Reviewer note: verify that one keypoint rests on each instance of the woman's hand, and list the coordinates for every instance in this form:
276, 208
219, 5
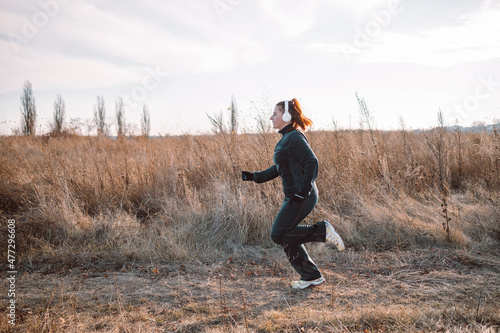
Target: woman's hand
245, 175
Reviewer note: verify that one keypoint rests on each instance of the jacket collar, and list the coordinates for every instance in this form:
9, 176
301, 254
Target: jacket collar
286, 129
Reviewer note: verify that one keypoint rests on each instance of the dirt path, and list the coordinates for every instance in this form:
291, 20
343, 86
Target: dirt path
424, 290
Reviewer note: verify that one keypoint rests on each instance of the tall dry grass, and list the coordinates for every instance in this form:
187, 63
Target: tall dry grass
95, 198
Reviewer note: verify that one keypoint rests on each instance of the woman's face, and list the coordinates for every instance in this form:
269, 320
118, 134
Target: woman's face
278, 122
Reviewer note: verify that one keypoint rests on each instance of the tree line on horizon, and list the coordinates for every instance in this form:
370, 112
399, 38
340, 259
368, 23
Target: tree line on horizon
57, 125
98, 122
58, 128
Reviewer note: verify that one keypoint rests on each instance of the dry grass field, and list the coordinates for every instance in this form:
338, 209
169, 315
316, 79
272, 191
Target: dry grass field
160, 235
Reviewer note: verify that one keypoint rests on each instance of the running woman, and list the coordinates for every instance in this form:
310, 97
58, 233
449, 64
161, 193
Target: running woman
296, 164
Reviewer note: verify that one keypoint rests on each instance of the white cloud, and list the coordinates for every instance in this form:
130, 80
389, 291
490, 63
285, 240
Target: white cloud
90, 47
473, 38
360, 9
53, 70
101, 47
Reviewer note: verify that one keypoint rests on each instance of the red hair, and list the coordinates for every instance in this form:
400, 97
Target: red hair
298, 118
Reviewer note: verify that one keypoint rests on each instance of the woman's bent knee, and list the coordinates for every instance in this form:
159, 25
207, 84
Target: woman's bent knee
277, 237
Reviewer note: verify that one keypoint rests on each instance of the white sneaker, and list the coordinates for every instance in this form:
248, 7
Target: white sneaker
301, 284
333, 237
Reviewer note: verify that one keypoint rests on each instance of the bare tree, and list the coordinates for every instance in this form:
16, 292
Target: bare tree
100, 116
28, 110
76, 125
478, 123
59, 115
145, 121
234, 116
120, 117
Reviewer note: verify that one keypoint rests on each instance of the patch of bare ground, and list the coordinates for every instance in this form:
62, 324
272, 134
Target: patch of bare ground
424, 290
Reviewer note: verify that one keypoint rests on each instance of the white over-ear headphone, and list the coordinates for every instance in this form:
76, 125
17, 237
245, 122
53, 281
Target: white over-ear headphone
286, 116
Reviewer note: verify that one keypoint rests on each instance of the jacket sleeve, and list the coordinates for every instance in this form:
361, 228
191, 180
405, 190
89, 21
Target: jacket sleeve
266, 175
308, 160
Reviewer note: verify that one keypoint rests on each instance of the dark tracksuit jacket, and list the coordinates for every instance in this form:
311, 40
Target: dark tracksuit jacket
296, 164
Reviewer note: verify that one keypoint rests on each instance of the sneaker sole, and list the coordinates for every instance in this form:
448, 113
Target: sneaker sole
311, 283
335, 238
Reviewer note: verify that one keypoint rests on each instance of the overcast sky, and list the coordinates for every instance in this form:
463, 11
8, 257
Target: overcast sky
184, 59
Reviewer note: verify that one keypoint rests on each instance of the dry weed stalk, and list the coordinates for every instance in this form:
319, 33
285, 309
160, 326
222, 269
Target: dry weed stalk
480, 296
46, 318
496, 138
291, 313
230, 140
245, 311
459, 138
447, 219
75, 314
367, 118
437, 144
120, 306
223, 305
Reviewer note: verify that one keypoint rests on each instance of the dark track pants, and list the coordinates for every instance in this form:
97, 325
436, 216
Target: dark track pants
287, 232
